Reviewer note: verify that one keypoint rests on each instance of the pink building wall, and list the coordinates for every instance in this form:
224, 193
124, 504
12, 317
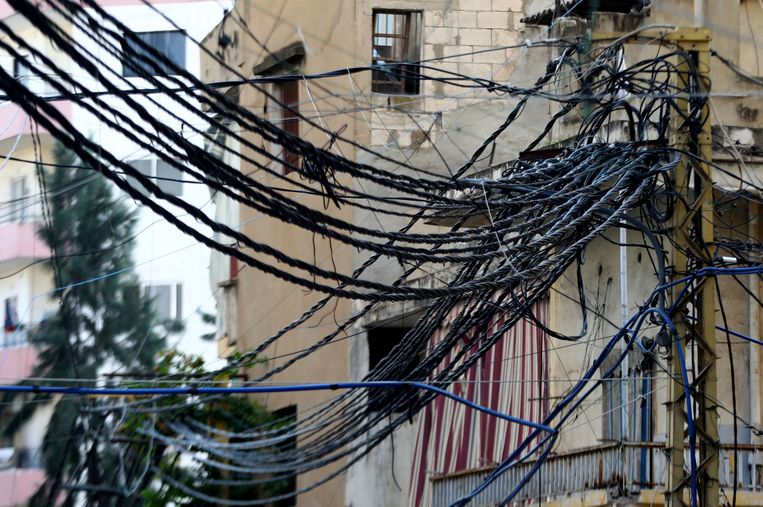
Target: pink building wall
20, 241
17, 121
6, 10
16, 363
17, 485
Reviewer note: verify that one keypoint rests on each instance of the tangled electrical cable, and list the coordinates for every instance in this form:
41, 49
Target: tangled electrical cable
536, 221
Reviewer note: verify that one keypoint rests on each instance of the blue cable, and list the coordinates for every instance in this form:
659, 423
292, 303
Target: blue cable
735, 333
508, 462
739, 335
512, 460
690, 421
150, 391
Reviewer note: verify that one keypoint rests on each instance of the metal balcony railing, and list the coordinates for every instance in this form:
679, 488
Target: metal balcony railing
619, 469
14, 338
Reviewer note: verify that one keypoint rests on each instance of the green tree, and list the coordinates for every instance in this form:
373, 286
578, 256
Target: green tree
166, 469
103, 320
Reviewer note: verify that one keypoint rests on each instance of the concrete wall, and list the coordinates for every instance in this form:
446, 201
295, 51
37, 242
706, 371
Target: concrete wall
601, 270
738, 116
265, 303
21, 275
162, 254
437, 131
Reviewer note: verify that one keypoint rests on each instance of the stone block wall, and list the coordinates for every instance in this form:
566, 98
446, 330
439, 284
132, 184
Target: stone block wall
460, 37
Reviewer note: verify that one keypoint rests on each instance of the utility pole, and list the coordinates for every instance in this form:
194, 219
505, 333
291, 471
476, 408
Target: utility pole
692, 232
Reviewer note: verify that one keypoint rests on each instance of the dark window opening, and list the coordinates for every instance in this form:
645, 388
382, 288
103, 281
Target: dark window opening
12, 327
171, 44
381, 342
287, 93
395, 42
612, 409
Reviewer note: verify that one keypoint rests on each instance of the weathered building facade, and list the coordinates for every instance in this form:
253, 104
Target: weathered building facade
613, 450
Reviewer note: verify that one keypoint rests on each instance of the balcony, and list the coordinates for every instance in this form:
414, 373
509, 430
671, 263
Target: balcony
15, 127
16, 359
633, 473
21, 474
19, 245
17, 485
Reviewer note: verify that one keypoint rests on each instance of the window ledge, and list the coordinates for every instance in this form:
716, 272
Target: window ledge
230, 282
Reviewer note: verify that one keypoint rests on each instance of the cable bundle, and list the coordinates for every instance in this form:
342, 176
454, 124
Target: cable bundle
535, 222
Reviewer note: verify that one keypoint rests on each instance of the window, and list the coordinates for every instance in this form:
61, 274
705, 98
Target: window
171, 44
287, 118
144, 167
11, 322
168, 300
381, 341
395, 40
612, 409
19, 193
167, 177
22, 72
31, 77
14, 331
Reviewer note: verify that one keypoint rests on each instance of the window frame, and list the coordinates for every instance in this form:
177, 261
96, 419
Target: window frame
175, 302
157, 69
18, 208
18, 65
33, 79
408, 48
286, 116
153, 174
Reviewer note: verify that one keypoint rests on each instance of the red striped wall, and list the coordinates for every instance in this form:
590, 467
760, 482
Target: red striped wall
511, 378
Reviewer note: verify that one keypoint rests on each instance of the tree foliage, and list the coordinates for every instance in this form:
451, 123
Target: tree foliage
181, 483
103, 320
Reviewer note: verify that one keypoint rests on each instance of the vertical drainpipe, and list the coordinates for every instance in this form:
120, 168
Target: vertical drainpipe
625, 367
699, 13
646, 416
754, 331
